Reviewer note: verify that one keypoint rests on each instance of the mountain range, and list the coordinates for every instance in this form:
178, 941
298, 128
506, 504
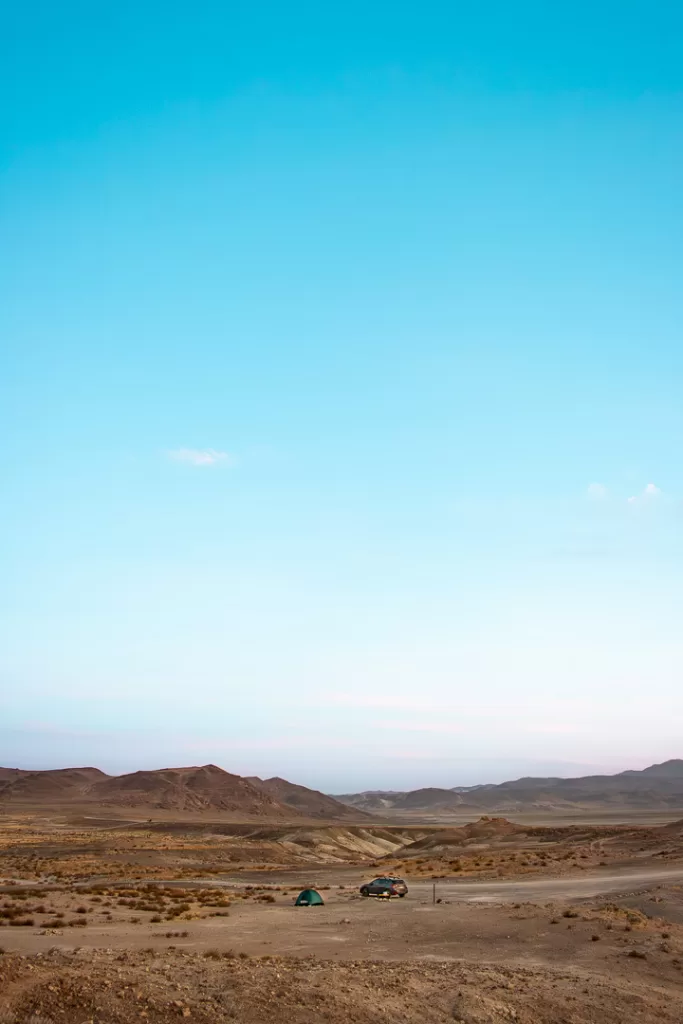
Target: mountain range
197, 789
209, 789
659, 787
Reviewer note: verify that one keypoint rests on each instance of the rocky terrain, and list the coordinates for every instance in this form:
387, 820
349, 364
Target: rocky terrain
113, 921
160, 986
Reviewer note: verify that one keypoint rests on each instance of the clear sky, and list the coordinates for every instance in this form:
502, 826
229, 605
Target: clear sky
342, 387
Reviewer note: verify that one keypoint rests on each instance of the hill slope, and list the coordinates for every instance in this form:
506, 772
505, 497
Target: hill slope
310, 802
187, 789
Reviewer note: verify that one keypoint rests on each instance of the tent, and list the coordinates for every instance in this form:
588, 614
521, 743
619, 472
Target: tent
309, 898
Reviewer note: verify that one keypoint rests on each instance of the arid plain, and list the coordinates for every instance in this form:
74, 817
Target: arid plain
165, 895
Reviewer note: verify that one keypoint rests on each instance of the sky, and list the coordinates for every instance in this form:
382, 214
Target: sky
341, 388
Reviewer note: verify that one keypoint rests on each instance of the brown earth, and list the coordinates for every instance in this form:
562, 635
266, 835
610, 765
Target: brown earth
497, 848
161, 986
92, 932
79, 849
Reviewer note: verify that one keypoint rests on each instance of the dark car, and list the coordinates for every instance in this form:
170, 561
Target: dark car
387, 886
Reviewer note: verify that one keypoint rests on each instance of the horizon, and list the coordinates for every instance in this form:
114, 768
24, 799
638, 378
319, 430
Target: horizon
341, 388
573, 772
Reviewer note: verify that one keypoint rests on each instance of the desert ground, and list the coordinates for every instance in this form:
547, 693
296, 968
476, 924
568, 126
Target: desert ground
116, 919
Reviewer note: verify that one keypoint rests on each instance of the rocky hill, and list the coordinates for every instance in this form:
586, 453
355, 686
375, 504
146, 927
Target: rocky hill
208, 788
187, 790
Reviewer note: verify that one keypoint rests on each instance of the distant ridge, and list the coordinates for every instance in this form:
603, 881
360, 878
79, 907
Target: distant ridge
208, 788
659, 787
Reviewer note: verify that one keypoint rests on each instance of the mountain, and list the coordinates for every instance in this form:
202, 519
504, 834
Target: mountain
187, 790
667, 770
428, 799
58, 783
659, 787
310, 802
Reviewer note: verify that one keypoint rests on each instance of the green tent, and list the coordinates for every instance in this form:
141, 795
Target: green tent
309, 898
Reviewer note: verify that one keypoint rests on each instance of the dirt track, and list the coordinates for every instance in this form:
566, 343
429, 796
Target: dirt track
557, 889
548, 888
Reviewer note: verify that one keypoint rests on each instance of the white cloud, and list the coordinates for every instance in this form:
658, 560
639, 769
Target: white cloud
650, 491
598, 492
202, 456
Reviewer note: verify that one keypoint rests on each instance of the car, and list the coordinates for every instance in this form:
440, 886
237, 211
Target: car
387, 886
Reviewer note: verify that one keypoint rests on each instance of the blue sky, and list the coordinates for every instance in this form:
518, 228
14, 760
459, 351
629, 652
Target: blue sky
341, 388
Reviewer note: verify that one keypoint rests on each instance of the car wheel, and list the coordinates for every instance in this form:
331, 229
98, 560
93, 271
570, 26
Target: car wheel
401, 894
364, 891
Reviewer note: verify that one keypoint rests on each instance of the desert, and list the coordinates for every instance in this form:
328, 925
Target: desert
171, 894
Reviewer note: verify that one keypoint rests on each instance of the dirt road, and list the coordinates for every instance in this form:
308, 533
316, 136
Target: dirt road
573, 887
582, 887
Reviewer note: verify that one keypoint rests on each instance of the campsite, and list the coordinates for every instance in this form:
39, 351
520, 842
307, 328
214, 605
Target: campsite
116, 919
